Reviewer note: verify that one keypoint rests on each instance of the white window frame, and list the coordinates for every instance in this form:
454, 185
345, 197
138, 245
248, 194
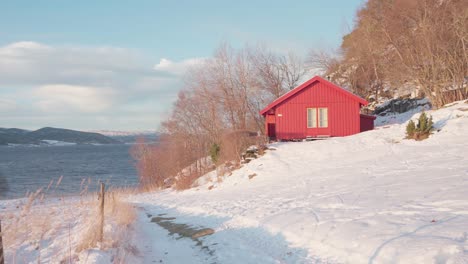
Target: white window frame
320, 119
314, 124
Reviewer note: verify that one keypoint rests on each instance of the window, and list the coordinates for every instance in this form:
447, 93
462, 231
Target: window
311, 117
323, 117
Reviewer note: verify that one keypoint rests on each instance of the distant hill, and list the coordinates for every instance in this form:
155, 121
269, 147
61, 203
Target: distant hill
48, 134
14, 136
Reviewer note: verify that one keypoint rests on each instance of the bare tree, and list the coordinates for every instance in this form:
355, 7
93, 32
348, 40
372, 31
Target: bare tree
396, 42
220, 105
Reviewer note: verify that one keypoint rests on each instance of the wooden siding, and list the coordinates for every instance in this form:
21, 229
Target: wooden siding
367, 122
291, 114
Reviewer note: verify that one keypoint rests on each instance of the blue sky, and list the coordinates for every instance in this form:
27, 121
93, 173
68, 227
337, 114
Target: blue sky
97, 64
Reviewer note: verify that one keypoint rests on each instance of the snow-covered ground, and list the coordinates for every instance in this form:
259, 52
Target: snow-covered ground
374, 197
65, 230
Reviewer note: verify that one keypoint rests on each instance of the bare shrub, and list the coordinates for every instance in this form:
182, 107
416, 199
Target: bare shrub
155, 163
233, 144
222, 170
261, 143
185, 182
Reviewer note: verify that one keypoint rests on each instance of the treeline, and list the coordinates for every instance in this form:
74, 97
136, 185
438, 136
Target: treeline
404, 43
216, 114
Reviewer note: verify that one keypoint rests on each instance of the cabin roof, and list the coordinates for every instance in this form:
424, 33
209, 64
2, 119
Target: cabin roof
303, 86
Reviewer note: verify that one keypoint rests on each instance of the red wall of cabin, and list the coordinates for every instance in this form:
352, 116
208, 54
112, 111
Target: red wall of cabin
291, 115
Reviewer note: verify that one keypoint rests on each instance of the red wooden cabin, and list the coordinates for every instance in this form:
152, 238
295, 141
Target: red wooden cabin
315, 109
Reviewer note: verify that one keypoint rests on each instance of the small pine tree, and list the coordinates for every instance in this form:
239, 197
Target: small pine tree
430, 125
422, 122
422, 129
410, 129
214, 152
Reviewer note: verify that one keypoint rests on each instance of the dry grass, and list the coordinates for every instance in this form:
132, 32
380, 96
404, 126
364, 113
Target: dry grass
117, 213
58, 229
26, 223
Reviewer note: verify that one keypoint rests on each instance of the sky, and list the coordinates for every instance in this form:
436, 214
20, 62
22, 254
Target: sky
118, 65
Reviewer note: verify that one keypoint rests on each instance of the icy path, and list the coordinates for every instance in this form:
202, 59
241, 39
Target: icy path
369, 198
226, 245
156, 246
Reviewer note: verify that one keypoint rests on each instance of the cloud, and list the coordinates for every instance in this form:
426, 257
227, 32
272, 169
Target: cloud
69, 98
31, 63
76, 86
177, 68
20, 48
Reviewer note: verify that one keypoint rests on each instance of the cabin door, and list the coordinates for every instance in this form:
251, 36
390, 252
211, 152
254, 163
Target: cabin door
271, 130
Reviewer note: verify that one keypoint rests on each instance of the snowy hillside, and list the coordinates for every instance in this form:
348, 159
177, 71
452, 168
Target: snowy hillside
115, 133
130, 136
369, 198
374, 197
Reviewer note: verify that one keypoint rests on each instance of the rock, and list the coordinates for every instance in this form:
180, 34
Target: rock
400, 106
203, 232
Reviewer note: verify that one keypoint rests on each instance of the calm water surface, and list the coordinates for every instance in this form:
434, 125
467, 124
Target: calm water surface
25, 168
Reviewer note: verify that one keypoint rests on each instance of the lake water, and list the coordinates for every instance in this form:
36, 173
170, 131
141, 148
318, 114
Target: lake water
24, 169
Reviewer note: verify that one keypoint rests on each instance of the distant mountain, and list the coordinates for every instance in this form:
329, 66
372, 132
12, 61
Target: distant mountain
48, 135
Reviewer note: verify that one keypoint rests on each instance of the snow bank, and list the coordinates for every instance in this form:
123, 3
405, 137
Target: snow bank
57, 143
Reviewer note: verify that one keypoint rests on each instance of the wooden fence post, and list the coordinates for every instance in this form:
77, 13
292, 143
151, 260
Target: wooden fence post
102, 196
2, 256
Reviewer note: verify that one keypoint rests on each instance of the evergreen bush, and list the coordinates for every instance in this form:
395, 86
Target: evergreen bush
420, 131
410, 129
214, 152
